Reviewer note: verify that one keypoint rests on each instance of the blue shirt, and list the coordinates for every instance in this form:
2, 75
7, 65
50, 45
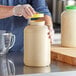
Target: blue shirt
15, 24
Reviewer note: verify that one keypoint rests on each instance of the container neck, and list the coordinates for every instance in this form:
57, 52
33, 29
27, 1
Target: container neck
70, 10
37, 23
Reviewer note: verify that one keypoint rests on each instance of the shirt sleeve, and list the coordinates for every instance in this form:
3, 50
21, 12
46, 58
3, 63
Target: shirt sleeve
41, 6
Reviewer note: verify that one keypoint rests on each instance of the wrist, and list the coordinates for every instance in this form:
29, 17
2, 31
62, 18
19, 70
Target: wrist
17, 10
10, 10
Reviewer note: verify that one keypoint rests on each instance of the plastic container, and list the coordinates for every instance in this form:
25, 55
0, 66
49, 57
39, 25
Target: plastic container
36, 44
68, 27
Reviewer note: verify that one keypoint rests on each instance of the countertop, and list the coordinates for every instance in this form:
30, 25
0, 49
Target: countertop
56, 66
70, 73
53, 69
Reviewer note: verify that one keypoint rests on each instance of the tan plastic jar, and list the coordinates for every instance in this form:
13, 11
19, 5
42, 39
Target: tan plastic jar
36, 44
68, 27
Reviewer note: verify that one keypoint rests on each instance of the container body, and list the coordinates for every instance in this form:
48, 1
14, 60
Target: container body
36, 45
33, 70
68, 28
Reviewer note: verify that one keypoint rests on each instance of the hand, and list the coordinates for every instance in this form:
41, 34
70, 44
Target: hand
23, 10
28, 11
51, 33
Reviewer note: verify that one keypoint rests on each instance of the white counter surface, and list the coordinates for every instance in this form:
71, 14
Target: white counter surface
69, 73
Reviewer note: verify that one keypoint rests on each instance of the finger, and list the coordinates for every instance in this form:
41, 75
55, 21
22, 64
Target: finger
25, 14
48, 33
28, 11
51, 42
50, 39
32, 10
49, 36
49, 27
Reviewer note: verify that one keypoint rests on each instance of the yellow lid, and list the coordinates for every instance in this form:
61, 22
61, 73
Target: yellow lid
37, 15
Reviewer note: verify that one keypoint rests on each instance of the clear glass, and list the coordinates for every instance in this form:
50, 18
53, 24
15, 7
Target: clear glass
7, 67
7, 41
